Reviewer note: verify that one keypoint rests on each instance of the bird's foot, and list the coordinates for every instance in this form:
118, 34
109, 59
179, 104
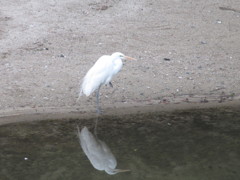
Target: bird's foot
99, 111
110, 84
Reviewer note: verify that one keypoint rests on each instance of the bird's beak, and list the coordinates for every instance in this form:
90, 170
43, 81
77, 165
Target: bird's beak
129, 58
121, 170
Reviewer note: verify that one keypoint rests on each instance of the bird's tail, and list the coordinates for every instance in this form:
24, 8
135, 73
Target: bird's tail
80, 94
81, 90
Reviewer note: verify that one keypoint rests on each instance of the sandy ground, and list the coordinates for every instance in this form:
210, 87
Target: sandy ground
186, 50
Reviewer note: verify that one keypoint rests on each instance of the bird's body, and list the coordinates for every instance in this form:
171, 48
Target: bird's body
101, 73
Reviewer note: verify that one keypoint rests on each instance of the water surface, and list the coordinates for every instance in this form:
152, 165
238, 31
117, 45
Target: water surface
181, 145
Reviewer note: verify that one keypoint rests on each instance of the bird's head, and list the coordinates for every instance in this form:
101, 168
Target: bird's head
115, 171
121, 56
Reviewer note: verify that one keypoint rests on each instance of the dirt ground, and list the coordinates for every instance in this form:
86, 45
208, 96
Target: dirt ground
186, 50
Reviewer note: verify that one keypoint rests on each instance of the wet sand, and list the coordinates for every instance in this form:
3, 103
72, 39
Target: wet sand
28, 115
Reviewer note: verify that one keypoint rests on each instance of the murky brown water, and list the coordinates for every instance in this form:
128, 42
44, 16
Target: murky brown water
194, 144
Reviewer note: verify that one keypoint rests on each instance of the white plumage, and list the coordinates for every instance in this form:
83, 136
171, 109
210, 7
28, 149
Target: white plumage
101, 73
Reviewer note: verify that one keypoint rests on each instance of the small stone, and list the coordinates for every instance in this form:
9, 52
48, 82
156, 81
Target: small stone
166, 59
102, 8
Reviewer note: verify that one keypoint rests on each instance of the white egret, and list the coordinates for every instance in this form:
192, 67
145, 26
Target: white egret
98, 152
101, 73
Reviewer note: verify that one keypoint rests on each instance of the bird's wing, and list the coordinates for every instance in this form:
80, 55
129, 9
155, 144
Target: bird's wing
97, 75
102, 63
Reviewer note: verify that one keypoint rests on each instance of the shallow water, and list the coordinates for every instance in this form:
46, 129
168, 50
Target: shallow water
182, 145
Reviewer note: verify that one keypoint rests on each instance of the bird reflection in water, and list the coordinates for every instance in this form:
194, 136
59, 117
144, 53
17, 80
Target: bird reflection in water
98, 153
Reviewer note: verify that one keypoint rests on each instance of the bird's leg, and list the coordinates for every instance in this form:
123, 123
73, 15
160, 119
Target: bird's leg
95, 127
97, 101
110, 84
